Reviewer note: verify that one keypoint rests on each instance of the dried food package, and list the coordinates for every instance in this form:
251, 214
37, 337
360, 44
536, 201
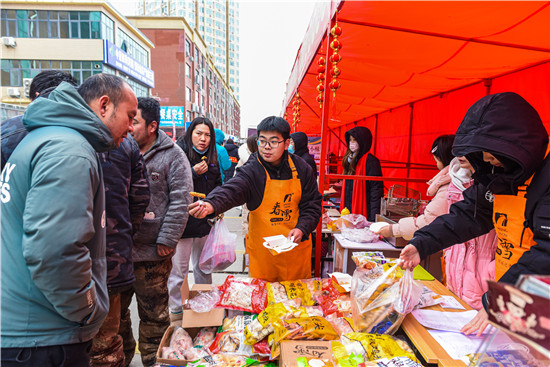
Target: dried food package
342, 325
261, 326
237, 323
372, 346
309, 328
205, 337
244, 294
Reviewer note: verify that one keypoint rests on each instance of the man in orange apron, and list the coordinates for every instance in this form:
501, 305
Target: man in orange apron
280, 189
504, 139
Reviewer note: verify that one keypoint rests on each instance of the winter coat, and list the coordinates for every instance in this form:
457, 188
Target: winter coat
438, 186
223, 157
204, 184
244, 153
249, 183
53, 264
170, 181
233, 152
126, 199
13, 131
510, 127
363, 197
301, 149
468, 264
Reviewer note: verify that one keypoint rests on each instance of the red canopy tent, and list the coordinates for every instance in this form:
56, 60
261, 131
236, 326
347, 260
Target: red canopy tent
410, 69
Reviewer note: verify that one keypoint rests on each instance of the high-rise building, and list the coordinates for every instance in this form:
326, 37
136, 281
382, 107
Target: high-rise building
217, 21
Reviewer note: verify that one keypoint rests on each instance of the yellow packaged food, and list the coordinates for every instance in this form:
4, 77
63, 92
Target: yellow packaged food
261, 327
310, 328
372, 346
302, 289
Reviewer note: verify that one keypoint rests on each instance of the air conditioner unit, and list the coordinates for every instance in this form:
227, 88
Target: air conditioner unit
9, 42
27, 86
14, 92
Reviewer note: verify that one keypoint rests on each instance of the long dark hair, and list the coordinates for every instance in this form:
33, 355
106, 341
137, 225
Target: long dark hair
212, 153
442, 148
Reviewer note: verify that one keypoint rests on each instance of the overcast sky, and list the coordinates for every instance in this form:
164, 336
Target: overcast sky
270, 34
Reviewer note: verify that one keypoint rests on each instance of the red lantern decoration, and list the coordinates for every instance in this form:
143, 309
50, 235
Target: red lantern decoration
336, 31
320, 100
321, 61
334, 86
334, 72
336, 45
335, 58
320, 88
321, 68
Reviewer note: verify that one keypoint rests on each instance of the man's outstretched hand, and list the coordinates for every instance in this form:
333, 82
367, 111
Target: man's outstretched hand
200, 209
409, 257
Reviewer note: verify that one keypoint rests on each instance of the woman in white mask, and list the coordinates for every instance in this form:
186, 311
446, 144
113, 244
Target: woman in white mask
360, 196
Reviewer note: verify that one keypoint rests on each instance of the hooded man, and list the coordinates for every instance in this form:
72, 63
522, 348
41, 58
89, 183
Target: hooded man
298, 146
54, 291
503, 138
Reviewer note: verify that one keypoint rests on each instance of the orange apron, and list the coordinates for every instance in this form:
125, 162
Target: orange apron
513, 238
277, 214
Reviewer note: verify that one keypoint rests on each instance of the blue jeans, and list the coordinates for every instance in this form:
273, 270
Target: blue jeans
68, 355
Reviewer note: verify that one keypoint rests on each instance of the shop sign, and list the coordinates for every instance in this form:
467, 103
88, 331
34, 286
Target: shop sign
114, 56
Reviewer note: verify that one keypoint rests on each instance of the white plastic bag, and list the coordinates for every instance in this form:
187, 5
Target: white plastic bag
219, 250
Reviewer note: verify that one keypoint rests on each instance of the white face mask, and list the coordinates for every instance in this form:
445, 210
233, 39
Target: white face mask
354, 147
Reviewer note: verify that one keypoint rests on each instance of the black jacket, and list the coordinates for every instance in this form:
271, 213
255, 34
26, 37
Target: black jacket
375, 189
301, 149
507, 126
204, 184
247, 187
233, 152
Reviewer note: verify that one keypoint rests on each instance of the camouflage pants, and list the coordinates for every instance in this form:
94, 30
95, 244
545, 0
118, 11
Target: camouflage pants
151, 292
107, 344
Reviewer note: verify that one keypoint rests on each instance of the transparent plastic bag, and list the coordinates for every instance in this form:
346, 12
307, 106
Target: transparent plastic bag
206, 301
219, 250
381, 300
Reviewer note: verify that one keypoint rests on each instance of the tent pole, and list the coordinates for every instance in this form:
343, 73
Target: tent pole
324, 134
410, 144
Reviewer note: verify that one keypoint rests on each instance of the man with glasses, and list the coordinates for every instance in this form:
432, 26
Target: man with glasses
280, 189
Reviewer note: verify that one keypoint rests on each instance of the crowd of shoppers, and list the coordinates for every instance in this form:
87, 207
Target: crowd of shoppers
69, 163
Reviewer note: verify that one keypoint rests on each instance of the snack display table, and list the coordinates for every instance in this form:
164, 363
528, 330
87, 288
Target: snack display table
429, 348
344, 248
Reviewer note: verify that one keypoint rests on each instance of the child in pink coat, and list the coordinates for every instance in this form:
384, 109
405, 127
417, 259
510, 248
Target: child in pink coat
469, 264
441, 151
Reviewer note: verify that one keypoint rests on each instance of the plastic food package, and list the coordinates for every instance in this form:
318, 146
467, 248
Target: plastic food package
205, 301
310, 328
219, 250
371, 346
237, 323
306, 290
205, 337
180, 339
172, 353
380, 300
261, 326
359, 235
244, 294
342, 325
365, 259
338, 304
232, 342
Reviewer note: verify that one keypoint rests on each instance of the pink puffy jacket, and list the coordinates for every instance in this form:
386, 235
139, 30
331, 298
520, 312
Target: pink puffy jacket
437, 206
470, 264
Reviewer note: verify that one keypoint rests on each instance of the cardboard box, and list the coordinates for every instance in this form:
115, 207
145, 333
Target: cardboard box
291, 350
192, 321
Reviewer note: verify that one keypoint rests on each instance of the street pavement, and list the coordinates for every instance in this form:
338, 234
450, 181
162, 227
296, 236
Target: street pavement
234, 223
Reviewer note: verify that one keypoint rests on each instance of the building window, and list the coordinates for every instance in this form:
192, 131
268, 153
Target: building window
133, 48
188, 94
187, 70
50, 24
13, 71
107, 28
187, 48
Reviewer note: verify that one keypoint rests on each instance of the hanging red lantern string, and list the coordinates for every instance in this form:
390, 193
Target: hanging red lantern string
296, 111
335, 58
321, 66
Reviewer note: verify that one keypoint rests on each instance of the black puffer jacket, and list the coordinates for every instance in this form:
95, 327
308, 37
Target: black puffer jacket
375, 189
301, 149
247, 187
507, 126
233, 152
204, 184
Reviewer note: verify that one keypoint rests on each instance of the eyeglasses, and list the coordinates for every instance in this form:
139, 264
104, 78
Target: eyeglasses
272, 143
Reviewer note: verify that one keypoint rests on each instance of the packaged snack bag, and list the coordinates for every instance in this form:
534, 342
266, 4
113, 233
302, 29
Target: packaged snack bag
244, 294
261, 326
371, 346
305, 290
